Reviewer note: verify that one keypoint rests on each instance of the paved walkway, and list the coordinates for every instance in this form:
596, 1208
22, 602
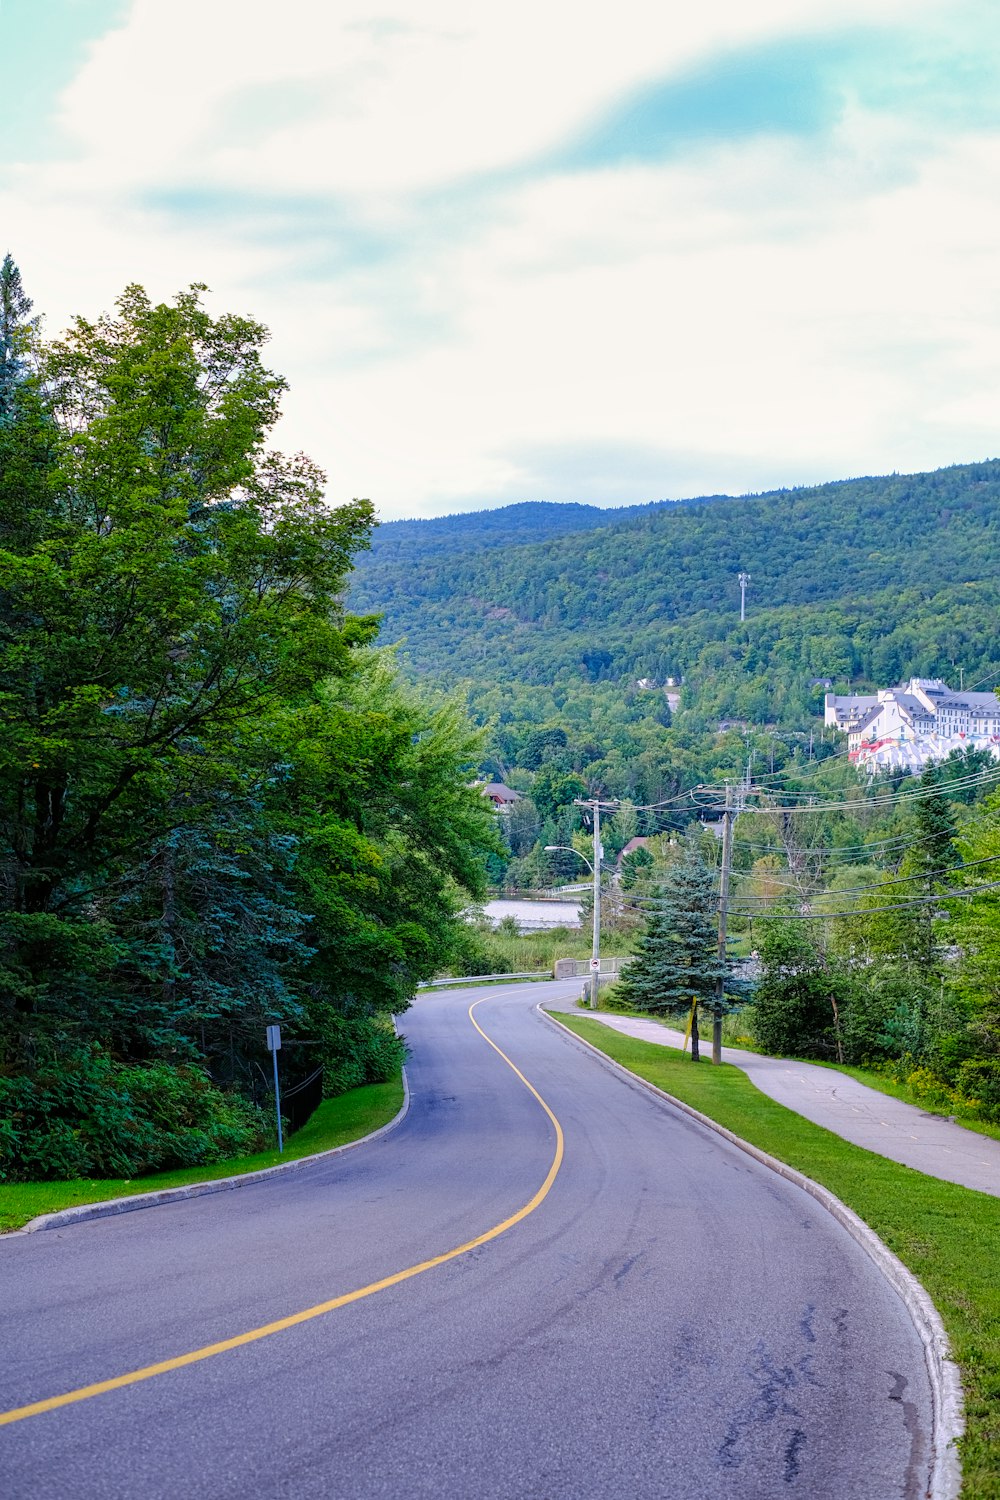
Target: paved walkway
876, 1121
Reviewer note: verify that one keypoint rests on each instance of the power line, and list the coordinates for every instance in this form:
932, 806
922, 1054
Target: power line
866, 911
836, 849
860, 890
894, 799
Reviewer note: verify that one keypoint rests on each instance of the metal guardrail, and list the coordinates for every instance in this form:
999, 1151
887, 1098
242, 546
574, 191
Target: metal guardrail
458, 979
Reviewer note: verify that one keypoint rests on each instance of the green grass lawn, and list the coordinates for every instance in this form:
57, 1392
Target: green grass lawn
334, 1123
948, 1236
882, 1082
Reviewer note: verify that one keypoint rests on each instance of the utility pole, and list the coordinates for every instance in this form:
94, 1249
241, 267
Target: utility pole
744, 580
727, 861
595, 948
595, 952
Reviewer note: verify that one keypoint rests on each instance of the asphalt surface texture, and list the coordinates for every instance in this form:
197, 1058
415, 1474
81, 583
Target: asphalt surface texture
670, 1319
902, 1132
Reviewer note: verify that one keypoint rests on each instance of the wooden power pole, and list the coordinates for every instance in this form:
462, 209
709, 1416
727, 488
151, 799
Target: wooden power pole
727, 864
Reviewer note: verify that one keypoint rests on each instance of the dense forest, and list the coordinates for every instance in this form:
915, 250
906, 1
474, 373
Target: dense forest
219, 807
864, 916
867, 580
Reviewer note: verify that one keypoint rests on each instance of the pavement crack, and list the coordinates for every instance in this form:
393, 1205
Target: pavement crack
626, 1266
793, 1448
775, 1398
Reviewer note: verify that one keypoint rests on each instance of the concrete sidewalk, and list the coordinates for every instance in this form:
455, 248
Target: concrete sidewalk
870, 1119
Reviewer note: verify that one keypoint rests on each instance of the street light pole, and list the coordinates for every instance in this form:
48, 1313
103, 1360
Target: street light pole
595, 960
595, 869
595, 953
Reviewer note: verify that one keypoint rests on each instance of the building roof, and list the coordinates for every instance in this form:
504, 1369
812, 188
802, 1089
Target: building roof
497, 792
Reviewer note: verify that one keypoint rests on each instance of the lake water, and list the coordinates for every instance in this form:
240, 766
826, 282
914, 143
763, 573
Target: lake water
534, 916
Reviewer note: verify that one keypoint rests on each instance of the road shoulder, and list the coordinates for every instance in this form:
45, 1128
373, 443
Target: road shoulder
946, 1388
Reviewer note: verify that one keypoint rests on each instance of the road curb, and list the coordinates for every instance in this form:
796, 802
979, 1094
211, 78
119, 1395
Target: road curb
946, 1388
109, 1207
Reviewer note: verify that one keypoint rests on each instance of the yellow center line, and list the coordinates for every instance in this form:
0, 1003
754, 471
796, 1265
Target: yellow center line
208, 1351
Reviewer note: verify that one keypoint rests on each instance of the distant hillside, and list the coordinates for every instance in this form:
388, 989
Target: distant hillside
479, 530
863, 578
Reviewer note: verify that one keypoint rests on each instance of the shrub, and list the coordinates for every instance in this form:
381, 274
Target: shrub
88, 1116
979, 1080
475, 951
885, 1014
358, 1049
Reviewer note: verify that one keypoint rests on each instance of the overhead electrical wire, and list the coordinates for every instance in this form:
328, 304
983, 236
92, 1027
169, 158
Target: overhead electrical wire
867, 911
776, 915
816, 805
860, 890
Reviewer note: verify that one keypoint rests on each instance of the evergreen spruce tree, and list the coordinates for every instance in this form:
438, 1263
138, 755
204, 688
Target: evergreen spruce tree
933, 854
15, 311
676, 964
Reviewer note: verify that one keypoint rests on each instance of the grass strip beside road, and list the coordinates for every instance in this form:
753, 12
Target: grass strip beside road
336, 1122
948, 1236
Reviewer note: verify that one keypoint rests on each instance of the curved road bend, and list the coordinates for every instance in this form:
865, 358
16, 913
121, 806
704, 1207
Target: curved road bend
902, 1132
672, 1320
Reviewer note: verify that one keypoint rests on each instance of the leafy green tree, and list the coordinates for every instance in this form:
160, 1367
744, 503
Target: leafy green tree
889, 1013
217, 805
523, 826
801, 996
554, 789
676, 967
178, 585
390, 836
974, 925
634, 866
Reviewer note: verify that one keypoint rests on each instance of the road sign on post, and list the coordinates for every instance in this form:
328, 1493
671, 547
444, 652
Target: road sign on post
595, 965
274, 1047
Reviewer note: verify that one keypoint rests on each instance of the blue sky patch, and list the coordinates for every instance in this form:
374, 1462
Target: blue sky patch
42, 54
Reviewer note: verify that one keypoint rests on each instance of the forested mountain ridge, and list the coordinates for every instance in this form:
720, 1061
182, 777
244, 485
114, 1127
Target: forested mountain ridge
860, 578
479, 530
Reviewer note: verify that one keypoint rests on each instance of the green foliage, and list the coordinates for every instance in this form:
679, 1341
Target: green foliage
979, 1080
90, 1116
800, 995
975, 926
476, 950
834, 593
636, 864
554, 789
334, 1123
218, 806
356, 1050
886, 1014
676, 963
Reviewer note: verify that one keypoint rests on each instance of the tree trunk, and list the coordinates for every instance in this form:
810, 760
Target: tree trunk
695, 1055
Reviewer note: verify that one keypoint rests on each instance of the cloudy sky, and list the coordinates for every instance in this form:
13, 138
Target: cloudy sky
542, 250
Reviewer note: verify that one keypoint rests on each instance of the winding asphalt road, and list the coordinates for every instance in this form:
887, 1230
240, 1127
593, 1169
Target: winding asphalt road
666, 1318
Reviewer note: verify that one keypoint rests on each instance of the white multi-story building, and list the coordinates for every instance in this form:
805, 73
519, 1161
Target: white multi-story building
910, 725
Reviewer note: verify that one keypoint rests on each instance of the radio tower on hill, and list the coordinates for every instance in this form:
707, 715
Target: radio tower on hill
744, 580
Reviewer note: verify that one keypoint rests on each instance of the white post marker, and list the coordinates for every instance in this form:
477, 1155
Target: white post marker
274, 1047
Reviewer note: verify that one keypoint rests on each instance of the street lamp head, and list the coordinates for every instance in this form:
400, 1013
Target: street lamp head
568, 849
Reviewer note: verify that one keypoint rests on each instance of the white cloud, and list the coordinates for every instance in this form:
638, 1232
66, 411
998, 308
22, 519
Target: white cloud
761, 311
